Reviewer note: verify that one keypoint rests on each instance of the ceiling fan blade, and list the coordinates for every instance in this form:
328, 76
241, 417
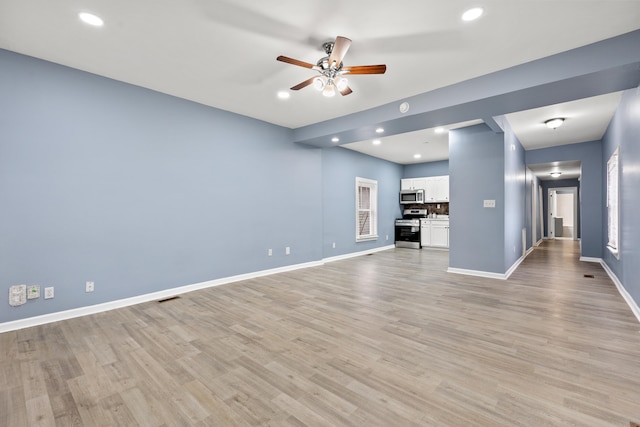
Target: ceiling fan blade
365, 69
295, 62
303, 84
340, 48
346, 91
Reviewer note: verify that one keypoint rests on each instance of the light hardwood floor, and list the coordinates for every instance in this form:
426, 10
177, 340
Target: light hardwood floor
388, 339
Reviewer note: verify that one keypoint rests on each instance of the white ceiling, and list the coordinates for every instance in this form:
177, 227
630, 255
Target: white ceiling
585, 120
571, 169
428, 143
223, 53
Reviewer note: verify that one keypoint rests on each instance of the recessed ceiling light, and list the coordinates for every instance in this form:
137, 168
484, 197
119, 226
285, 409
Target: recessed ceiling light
283, 95
417, 156
554, 123
379, 130
335, 139
376, 142
472, 14
439, 130
555, 174
91, 19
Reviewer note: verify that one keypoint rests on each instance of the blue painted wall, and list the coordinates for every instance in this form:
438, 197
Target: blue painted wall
340, 167
590, 154
531, 199
139, 191
476, 173
420, 170
514, 197
624, 131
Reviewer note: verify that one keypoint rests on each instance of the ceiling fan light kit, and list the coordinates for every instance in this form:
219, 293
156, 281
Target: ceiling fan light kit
332, 69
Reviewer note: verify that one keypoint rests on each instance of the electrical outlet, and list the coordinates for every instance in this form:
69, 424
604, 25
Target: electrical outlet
89, 287
287, 250
489, 203
33, 291
48, 292
269, 252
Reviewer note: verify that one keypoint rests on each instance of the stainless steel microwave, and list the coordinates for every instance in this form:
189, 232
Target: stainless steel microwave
411, 196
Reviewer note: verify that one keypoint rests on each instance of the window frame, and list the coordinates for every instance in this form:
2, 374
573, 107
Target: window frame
373, 209
613, 203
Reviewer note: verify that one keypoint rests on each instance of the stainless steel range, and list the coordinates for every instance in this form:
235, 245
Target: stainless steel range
408, 228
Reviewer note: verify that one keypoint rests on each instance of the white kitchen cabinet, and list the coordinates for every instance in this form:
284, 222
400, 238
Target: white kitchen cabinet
425, 232
413, 184
441, 188
434, 233
440, 233
436, 188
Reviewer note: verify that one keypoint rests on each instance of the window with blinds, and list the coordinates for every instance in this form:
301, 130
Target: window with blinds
613, 203
366, 209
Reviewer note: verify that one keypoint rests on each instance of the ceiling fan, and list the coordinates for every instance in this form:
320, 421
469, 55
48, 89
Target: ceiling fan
331, 69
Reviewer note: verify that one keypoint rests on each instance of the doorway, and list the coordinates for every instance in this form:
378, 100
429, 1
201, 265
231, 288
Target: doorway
563, 213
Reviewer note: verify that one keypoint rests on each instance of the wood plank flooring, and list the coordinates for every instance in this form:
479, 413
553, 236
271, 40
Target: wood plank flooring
388, 339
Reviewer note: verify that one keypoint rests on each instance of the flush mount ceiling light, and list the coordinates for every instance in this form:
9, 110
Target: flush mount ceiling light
379, 130
91, 19
554, 123
439, 130
417, 156
555, 174
472, 14
335, 139
283, 95
376, 142
332, 70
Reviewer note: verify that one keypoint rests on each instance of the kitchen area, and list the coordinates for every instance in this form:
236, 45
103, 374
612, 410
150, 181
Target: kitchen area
425, 213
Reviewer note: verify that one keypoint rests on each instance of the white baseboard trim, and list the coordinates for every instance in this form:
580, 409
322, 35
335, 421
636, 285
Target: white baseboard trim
356, 254
489, 274
623, 292
477, 273
167, 293
591, 259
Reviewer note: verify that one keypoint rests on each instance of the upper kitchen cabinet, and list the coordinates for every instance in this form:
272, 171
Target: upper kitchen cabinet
414, 184
436, 188
440, 188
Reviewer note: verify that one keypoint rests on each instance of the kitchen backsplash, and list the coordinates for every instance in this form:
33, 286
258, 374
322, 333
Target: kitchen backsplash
431, 207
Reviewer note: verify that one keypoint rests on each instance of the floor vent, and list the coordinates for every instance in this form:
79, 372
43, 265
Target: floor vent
168, 299
591, 276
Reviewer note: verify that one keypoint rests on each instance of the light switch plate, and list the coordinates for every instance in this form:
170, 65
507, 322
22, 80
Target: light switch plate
33, 291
